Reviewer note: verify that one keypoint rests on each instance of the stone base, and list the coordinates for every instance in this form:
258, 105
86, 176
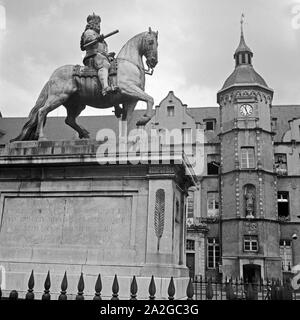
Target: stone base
60, 209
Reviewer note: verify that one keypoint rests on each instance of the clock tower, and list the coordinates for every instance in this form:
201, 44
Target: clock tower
249, 228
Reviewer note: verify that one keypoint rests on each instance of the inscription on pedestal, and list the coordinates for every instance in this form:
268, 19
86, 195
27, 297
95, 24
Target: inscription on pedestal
94, 221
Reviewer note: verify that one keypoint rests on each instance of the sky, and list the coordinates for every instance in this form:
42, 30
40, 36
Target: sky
197, 39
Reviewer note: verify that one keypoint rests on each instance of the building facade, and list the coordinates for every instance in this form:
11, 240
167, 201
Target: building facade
243, 218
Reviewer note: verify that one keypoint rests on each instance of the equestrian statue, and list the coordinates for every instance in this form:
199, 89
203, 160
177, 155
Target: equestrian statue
103, 82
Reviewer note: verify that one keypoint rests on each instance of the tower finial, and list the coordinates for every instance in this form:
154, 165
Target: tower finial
242, 23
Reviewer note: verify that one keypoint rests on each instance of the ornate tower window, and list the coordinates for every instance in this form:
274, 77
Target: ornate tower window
283, 205
250, 200
247, 158
281, 164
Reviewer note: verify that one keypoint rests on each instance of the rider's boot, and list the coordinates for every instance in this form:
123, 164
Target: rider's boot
103, 76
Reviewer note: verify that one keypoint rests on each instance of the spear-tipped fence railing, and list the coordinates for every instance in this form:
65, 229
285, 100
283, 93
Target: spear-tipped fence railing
198, 288
240, 289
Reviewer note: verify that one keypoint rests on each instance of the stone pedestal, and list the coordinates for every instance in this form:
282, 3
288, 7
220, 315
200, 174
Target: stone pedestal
61, 210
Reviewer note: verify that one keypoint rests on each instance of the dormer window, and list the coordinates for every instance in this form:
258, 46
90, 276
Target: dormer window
170, 111
210, 124
274, 124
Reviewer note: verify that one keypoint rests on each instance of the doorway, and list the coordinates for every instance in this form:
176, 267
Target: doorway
252, 273
190, 263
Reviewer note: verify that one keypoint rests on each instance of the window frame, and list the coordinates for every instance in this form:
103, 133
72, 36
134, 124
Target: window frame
192, 247
247, 158
213, 244
281, 171
250, 240
217, 164
190, 205
285, 200
213, 121
169, 109
213, 212
274, 124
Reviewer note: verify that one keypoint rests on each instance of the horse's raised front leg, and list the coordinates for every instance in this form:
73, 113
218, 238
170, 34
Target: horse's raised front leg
73, 111
139, 94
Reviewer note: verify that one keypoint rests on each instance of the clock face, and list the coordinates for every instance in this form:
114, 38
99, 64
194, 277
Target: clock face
246, 109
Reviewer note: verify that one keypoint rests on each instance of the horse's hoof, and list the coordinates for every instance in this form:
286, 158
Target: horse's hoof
118, 112
143, 121
84, 136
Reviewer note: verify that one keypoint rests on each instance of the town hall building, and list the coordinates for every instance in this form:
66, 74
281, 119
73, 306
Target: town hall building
243, 216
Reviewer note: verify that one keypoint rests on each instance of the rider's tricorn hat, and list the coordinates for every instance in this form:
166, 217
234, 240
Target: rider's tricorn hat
93, 18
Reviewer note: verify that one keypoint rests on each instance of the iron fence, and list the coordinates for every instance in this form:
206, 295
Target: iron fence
238, 289
198, 288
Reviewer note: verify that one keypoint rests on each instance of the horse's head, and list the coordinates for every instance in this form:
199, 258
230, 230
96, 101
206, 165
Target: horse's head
149, 49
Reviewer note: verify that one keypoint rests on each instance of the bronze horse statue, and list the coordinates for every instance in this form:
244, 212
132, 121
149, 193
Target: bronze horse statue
63, 88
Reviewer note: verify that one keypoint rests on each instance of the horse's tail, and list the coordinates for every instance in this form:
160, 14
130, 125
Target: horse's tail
29, 129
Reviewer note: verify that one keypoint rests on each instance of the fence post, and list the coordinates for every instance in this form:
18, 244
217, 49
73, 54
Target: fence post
229, 290
209, 290
46, 295
206, 282
250, 293
273, 290
152, 289
201, 283
98, 288
64, 286
133, 289
288, 291
13, 295
80, 288
190, 290
30, 294
171, 289
242, 287
278, 290
195, 282
236, 288
115, 289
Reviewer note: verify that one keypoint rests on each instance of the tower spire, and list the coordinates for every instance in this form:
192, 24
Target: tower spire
243, 53
243, 73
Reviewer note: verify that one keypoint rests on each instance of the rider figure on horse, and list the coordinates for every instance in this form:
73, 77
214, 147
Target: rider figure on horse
97, 55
